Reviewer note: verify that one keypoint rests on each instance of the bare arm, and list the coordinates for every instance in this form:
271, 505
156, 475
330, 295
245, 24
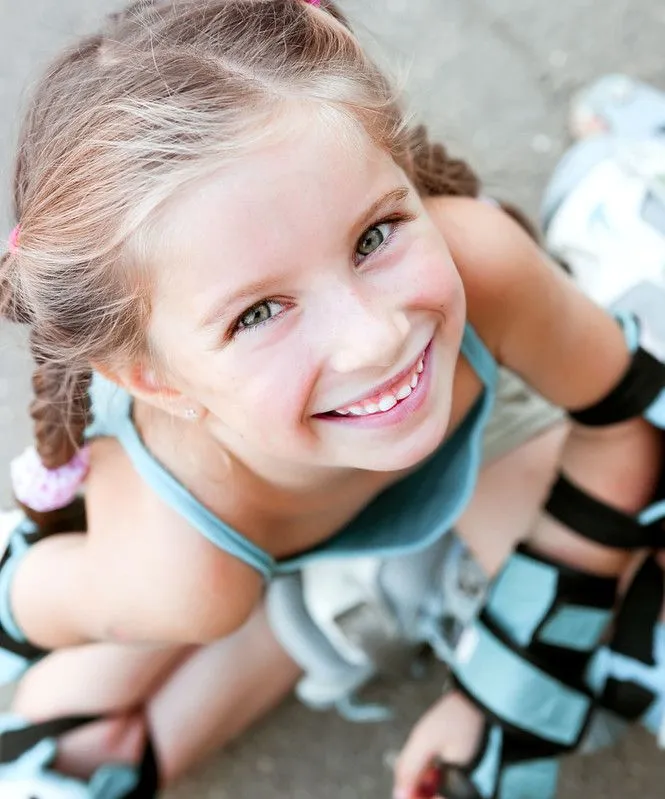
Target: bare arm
572, 352
569, 350
140, 573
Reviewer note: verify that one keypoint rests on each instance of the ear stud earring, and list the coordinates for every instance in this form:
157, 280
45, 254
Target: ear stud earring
191, 414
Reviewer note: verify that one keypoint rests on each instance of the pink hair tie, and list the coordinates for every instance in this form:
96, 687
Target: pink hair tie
43, 489
313, 2
13, 239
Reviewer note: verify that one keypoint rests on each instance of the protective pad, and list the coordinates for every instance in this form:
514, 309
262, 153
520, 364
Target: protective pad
628, 675
503, 769
27, 753
637, 391
596, 521
641, 390
16, 654
536, 633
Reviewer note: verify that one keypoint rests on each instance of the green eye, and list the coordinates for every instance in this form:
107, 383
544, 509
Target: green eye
258, 314
372, 239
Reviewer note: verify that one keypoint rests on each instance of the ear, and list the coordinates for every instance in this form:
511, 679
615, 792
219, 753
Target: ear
144, 383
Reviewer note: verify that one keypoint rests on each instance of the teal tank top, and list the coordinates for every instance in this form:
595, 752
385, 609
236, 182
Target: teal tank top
408, 516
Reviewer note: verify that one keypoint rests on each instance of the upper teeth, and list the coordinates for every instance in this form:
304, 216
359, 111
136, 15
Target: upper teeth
388, 400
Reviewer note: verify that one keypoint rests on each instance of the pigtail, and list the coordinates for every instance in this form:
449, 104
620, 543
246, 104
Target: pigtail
60, 409
434, 172
60, 412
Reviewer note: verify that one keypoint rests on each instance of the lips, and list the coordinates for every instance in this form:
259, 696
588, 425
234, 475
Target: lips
386, 397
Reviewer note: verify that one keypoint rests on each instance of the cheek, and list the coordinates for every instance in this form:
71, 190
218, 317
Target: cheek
434, 281
263, 389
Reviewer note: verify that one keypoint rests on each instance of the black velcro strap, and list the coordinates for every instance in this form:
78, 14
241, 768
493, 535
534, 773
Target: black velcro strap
575, 586
633, 637
20, 648
597, 521
9, 644
15, 743
455, 781
148, 784
637, 389
551, 661
627, 699
639, 614
541, 745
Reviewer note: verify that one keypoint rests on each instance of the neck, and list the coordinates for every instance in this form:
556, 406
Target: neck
197, 457
289, 490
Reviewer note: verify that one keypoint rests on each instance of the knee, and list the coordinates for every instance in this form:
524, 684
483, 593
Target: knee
121, 739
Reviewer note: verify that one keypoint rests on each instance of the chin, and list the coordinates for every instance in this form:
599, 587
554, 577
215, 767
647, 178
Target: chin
408, 453
423, 448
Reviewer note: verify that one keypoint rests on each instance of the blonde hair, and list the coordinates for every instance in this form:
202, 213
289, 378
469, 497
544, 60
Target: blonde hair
164, 94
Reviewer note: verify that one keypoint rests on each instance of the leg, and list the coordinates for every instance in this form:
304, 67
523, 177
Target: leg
509, 495
192, 701
217, 693
99, 679
522, 448
628, 673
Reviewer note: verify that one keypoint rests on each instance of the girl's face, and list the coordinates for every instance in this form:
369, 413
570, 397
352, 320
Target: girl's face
307, 301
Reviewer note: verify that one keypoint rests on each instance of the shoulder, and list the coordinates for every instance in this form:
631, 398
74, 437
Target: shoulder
493, 254
171, 577
531, 315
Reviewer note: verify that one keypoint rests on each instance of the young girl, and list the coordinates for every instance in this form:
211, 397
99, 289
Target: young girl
266, 318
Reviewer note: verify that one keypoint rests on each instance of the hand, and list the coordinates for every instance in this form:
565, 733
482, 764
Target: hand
450, 731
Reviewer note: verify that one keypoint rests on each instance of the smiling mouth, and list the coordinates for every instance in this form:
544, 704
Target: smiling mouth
385, 400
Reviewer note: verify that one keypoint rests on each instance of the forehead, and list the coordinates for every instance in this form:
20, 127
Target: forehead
312, 171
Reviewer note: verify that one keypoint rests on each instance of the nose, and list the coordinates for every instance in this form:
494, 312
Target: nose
368, 335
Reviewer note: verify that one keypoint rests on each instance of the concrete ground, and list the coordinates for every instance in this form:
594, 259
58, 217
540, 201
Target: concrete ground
492, 78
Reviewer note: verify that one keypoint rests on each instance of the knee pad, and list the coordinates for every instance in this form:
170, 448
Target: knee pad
628, 674
17, 535
16, 653
523, 662
27, 753
640, 392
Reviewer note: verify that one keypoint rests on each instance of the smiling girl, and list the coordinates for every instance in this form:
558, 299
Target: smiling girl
267, 319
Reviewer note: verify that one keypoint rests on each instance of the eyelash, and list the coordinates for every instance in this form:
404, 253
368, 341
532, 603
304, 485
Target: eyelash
236, 328
396, 221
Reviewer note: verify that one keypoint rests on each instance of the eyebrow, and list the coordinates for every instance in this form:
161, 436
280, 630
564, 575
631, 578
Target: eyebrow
393, 197
264, 285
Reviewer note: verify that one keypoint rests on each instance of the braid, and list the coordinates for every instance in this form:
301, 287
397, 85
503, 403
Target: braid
60, 409
435, 173
60, 412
